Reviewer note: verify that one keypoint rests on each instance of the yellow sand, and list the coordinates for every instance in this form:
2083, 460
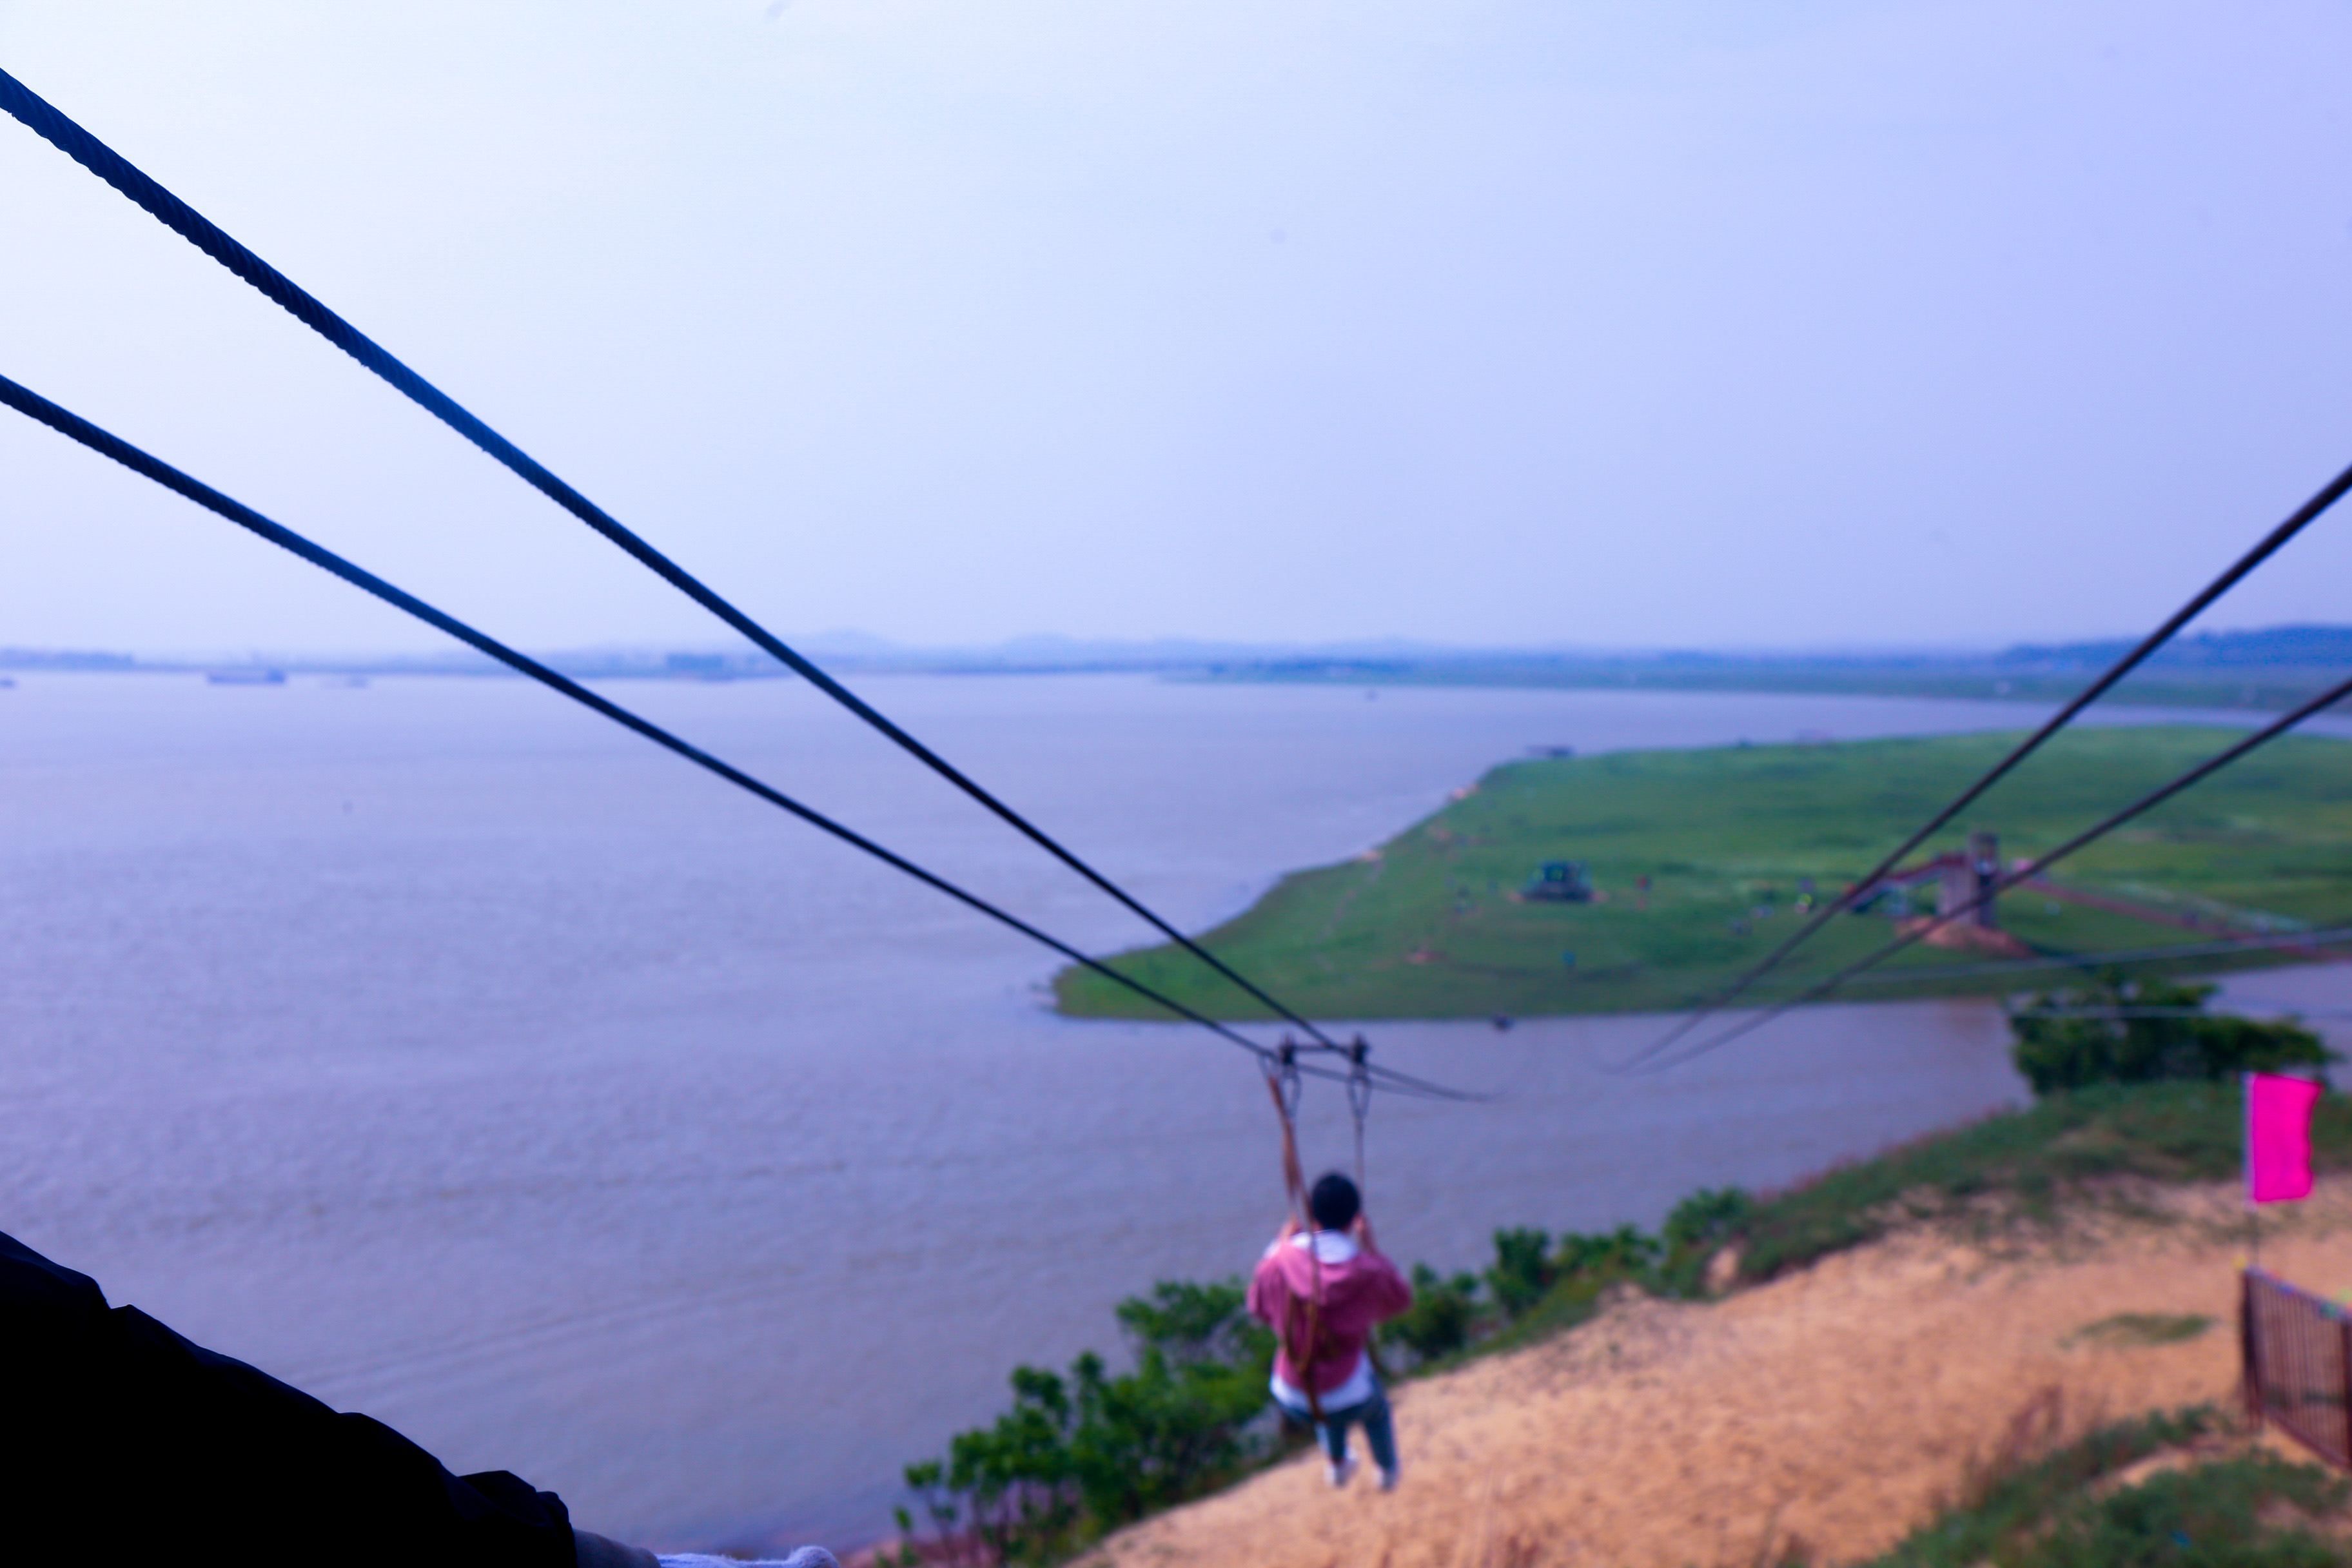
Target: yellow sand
1832, 1409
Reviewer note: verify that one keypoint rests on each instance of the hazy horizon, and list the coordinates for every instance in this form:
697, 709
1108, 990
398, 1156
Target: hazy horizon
849, 644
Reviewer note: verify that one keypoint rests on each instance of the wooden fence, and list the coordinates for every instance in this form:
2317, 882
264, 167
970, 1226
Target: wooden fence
2298, 1365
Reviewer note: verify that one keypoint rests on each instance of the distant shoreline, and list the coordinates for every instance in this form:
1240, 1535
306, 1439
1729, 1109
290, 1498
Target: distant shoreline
2270, 694
2266, 670
1683, 866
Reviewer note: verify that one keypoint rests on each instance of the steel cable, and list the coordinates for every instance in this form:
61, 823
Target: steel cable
2328, 495
54, 126
72, 425
2021, 875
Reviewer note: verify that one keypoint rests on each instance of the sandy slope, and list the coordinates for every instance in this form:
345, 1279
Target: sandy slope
1832, 1407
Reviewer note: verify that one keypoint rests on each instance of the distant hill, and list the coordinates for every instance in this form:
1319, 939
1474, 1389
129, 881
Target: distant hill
2326, 647
62, 659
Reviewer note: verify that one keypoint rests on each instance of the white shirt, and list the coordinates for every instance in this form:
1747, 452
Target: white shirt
1331, 1247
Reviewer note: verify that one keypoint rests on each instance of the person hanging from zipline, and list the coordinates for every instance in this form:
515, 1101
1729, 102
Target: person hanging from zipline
1322, 1290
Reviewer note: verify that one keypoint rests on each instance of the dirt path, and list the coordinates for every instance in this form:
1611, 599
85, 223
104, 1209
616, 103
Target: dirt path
1830, 1409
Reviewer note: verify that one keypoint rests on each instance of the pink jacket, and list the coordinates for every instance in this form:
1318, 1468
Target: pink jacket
1363, 1291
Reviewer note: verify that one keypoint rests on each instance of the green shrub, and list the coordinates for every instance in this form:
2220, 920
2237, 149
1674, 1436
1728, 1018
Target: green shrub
1439, 1321
1607, 1256
1708, 1218
2137, 1031
1528, 1270
1699, 1227
1194, 1324
1522, 1270
1015, 1477
1081, 1455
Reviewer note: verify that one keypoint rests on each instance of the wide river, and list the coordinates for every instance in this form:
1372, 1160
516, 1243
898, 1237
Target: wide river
465, 1060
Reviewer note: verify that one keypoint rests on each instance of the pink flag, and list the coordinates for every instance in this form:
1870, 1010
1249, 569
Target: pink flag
2278, 1137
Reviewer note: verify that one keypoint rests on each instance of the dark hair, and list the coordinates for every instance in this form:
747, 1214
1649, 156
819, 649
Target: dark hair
1334, 1203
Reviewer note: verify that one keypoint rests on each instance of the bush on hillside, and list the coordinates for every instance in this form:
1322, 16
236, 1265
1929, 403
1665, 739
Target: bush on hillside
1533, 1288
1195, 1325
1611, 1254
1697, 1228
1522, 1270
2139, 1031
1081, 1455
1444, 1313
1708, 1218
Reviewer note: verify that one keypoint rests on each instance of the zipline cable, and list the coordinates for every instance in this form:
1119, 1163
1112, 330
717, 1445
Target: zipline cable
66, 423
2328, 495
54, 126
2004, 883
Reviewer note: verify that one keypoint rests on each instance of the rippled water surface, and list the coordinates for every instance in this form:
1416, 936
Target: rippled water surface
467, 1061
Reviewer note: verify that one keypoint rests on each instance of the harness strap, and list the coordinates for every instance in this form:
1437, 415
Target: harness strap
1302, 1323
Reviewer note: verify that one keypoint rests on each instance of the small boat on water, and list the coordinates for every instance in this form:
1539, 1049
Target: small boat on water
245, 677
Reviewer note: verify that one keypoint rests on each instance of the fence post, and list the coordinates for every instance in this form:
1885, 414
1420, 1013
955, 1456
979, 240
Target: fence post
2344, 1385
2250, 1373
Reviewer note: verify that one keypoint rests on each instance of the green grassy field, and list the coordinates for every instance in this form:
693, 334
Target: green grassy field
1429, 926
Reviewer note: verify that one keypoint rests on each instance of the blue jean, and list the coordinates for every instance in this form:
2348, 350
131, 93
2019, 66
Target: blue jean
1372, 1414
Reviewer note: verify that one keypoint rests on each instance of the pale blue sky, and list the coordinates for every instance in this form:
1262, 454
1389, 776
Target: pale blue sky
1626, 323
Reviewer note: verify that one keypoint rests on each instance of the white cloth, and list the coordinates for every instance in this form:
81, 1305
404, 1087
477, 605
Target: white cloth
1331, 1247
1355, 1390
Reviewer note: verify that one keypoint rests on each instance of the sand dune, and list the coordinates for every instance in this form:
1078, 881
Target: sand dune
1831, 1409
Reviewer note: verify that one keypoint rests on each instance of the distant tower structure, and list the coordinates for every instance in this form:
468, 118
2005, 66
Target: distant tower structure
1984, 857
1966, 877
1954, 884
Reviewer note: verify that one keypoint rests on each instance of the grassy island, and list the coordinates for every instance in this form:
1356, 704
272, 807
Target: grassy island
1700, 860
